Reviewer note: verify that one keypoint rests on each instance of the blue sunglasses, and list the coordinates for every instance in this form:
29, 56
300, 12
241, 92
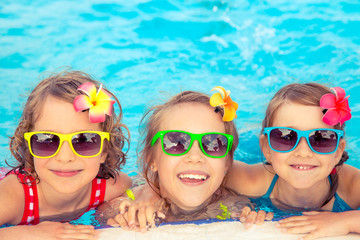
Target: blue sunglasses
321, 140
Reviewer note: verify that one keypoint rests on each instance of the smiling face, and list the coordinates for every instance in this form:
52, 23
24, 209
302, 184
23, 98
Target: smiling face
65, 172
191, 179
301, 168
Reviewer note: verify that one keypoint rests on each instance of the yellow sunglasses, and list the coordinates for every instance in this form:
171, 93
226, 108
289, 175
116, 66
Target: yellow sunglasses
84, 144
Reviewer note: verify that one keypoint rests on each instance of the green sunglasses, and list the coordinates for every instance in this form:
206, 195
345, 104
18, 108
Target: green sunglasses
177, 143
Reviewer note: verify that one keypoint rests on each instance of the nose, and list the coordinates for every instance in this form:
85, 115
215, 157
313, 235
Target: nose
303, 149
65, 153
195, 153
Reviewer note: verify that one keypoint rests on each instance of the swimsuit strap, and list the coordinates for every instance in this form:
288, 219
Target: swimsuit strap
31, 208
269, 191
98, 190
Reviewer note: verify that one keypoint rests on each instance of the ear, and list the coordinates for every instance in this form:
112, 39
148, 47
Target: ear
339, 152
265, 148
103, 157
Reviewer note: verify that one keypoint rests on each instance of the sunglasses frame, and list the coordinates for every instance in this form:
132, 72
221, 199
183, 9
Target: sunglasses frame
193, 137
67, 137
305, 134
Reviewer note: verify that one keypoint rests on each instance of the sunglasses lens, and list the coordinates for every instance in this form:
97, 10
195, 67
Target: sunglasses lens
323, 141
176, 142
44, 144
215, 144
86, 144
282, 139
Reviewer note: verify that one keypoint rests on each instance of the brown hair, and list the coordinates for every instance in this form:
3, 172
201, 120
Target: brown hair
153, 118
308, 94
64, 86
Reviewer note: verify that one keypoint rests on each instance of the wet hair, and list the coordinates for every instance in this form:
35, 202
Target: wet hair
151, 123
308, 94
64, 86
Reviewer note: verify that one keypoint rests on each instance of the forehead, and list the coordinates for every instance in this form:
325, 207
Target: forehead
192, 117
299, 116
58, 115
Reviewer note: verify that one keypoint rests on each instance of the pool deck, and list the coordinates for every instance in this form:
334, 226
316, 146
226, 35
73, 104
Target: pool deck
219, 230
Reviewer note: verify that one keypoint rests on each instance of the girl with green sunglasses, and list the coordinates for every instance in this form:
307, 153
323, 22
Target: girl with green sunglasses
187, 152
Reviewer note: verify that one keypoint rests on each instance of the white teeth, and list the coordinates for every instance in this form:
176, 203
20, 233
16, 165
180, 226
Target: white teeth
302, 167
192, 176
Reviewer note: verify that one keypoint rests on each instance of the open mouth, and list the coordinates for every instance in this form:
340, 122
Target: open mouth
193, 178
303, 167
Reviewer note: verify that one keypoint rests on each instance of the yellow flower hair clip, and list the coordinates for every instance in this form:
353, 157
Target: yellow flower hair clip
98, 102
224, 101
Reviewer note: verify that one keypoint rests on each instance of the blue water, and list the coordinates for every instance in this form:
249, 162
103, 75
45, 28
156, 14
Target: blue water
145, 50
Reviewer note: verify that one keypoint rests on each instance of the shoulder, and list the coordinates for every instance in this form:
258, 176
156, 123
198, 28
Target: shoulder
249, 179
117, 188
12, 200
349, 185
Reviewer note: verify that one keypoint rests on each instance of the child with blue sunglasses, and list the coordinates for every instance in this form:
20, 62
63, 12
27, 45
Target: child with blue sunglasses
304, 147
68, 148
188, 147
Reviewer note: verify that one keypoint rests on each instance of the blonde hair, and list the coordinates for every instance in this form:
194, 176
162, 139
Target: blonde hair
308, 94
64, 86
153, 118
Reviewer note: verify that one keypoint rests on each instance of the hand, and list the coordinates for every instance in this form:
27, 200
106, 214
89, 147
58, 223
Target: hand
249, 217
63, 231
137, 216
315, 225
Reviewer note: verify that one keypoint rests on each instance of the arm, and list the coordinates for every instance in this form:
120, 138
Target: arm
11, 212
250, 180
322, 224
117, 188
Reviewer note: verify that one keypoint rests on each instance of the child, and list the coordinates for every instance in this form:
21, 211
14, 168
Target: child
68, 145
188, 149
303, 143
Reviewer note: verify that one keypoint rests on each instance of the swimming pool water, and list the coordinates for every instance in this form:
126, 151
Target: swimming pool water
146, 50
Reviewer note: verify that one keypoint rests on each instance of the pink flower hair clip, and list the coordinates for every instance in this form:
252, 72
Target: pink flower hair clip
98, 102
224, 101
337, 106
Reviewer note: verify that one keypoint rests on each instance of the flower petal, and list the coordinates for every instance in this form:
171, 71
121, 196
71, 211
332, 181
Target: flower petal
89, 89
339, 93
106, 106
96, 114
216, 100
81, 103
344, 116
102, 95
229, 114
222, 91
231, 103
331, 117
328, 101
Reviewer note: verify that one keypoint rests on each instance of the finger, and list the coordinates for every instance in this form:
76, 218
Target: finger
311, 236
269, 216
244, 213
292, 219
260, 218
149, 212
300, 229
142, 219
292, 224
112, 222
122, 221
250, 220
124, 204
132, 210
79, 236
310, 213
71, 226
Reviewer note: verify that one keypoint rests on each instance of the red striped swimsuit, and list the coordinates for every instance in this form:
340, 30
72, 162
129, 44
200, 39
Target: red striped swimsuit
31, 211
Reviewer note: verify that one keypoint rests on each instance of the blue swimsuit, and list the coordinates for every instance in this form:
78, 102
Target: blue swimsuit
264, 203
